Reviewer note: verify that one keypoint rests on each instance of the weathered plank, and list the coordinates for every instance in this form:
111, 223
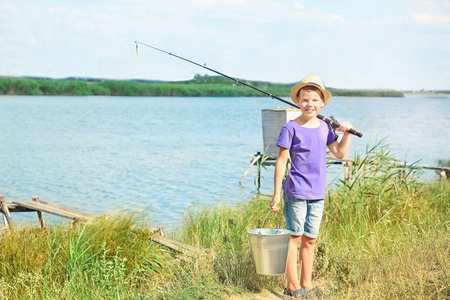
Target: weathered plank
17, 208
175, 245
53, 209
158, 237
157, 230
5, 211
70, 210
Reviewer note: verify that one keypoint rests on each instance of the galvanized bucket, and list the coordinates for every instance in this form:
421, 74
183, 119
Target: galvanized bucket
270, 248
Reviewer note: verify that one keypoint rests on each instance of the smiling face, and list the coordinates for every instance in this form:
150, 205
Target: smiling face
311, 101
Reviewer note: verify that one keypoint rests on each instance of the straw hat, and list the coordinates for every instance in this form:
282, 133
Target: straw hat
314, 81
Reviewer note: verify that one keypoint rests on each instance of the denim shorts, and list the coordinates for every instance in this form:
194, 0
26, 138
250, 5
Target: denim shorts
303, 217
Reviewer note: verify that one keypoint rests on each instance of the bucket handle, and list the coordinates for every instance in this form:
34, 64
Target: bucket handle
279, 219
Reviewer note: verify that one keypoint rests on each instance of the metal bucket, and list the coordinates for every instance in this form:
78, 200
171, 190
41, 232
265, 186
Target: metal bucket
270, 248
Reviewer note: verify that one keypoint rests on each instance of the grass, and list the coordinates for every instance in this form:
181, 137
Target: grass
99, 261
384, 235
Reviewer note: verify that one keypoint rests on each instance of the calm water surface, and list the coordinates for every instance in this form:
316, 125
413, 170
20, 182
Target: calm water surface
158, 155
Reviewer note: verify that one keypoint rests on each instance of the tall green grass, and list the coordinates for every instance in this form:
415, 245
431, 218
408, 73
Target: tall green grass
384, 235
104, 260
223, 231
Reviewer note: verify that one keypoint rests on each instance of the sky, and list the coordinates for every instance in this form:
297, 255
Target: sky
395, 44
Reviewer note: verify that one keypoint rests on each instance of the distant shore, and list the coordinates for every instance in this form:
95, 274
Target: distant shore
199, 86
428, 93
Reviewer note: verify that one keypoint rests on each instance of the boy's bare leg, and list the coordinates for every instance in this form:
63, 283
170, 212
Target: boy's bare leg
291, 269
306, 257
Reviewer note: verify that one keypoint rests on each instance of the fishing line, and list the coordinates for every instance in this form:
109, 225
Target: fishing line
332, 123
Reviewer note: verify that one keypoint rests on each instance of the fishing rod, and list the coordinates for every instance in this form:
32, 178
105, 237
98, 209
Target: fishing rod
333, 123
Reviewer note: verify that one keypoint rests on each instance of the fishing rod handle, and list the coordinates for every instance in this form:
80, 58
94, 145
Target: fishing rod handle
352, 131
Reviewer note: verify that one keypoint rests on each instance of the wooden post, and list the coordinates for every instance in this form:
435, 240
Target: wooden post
39, 213
258, 178
5, 210
348, 170
444, 175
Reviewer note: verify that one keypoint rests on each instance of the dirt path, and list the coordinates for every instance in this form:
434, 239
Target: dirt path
277, 294
263, 295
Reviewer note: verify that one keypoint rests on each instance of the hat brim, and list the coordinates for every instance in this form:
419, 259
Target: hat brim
299, 86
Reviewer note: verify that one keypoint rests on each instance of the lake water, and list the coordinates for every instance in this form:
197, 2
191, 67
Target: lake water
159, 155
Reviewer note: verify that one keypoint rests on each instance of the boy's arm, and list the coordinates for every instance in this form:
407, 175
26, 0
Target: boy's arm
339, 149
280, 171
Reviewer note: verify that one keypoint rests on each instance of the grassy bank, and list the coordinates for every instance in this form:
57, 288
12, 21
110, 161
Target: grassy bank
384, 235
200, 86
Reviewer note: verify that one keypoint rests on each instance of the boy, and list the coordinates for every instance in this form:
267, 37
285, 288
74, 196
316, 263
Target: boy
305, 140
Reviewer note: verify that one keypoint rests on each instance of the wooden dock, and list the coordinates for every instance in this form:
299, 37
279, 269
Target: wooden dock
444, 172
259, 158
185, 250
38, 206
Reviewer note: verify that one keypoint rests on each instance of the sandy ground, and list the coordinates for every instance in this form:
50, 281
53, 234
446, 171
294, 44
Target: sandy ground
263, 295
277, 294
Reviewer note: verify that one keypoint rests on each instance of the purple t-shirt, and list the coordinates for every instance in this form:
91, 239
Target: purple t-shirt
308, 150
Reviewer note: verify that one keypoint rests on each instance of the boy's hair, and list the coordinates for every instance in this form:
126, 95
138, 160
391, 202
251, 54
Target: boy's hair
312, 88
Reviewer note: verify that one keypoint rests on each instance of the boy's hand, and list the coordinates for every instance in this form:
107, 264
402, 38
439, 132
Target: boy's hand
344, 126
274, 204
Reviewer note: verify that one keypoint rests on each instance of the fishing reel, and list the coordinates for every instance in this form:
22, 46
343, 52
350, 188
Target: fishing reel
334, 127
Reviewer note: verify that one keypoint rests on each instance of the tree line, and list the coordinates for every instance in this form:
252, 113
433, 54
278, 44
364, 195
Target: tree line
199, 86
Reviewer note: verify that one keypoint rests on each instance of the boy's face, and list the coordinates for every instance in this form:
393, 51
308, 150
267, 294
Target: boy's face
310, 101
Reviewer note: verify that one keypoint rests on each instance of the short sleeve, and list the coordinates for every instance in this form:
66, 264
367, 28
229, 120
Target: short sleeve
285, 138
332, 137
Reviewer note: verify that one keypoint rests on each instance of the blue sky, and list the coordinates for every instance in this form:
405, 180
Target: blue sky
398, 44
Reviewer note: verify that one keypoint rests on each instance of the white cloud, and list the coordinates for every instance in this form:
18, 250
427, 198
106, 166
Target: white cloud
430, 19
431, 12
7, 11
303, 13
435, 6
6, 7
